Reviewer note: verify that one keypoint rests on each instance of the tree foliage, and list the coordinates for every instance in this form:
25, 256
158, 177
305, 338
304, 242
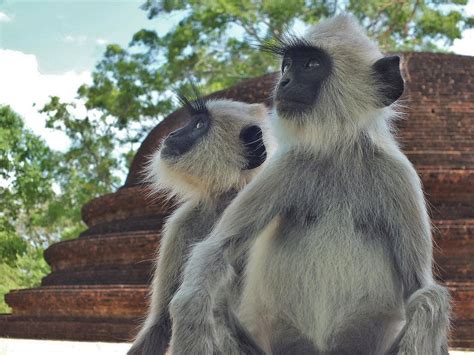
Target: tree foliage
215, 41
26, 190
42, 191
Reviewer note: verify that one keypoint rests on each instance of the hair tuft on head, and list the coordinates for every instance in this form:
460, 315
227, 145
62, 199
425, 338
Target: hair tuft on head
282, 44
191, 98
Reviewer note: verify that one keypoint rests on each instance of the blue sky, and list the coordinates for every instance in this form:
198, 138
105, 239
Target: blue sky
50, 47
72, 34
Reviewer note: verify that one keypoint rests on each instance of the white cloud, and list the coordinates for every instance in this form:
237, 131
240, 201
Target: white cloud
101, 41
22, 85
81, 39
465, 45
4, 17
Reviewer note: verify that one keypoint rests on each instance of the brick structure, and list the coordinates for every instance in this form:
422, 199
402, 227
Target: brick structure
98, 284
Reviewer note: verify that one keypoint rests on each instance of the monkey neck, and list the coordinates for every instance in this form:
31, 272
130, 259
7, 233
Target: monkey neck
335, 134
218, 200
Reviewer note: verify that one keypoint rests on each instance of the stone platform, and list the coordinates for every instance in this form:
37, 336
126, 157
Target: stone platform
98, 284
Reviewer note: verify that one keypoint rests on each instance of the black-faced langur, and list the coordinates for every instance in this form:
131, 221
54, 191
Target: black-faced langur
204, 165
335, 226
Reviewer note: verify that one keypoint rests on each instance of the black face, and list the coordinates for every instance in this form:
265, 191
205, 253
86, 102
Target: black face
183, 139
255, 151
304, 70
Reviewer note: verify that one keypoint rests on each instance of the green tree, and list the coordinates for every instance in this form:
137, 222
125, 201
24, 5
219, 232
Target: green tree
215, 43
26, 177
26, 188
42, 191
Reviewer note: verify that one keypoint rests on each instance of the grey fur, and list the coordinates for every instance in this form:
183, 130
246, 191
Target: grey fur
335, 229
205, 179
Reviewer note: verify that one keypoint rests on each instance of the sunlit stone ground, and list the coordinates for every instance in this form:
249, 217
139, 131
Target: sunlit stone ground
52, 347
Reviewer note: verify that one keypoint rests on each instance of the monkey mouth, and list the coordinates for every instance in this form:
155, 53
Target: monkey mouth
292, 107
168, 152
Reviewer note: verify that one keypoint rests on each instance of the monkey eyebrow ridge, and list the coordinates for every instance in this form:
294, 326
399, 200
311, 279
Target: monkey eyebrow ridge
280, 45
192, 100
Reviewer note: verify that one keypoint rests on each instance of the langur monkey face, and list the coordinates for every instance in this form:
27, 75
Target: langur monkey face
304, 69
219, 149
182, 140
187, 138
332, 78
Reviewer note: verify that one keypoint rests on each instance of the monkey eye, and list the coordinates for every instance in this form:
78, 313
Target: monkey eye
285, 65
199, 124
312, 63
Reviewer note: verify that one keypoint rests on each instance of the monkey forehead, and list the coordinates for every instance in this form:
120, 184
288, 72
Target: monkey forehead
225, 110
343, 38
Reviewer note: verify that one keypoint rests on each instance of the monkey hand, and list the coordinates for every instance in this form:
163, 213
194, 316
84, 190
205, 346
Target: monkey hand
193, 330
408, 347
153, 339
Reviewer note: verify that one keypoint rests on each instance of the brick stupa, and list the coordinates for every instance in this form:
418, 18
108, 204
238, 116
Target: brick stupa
98, 284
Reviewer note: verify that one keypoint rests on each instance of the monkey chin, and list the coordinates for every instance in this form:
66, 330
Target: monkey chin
292, 110
169, 156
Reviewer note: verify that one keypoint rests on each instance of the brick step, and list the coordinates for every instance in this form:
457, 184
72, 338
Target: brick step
118, 234
462, 332
108, 260
81, 322
431, 135
137, 274
452, 146
450, 210
126, 203
129, 301
99, 251
92, 302
454, 248
458, 229
447, 149
136, 225
462, 294
449, 183
437, 132
126, 259
124, 330
70, 328
456, 160
462, 335
438, 129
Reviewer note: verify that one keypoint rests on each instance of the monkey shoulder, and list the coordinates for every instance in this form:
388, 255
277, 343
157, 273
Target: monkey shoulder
389, 200
191, 219
397, 180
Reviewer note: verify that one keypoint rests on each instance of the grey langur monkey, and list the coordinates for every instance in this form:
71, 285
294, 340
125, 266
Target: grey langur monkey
335, 226
204, 165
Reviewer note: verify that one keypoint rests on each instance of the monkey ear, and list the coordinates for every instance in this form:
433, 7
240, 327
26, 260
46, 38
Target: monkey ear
255, 152
387, 73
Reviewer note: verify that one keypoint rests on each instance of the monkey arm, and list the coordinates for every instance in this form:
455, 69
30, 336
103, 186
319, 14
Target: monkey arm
427, 303
180, 234
407, 225
192, 307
